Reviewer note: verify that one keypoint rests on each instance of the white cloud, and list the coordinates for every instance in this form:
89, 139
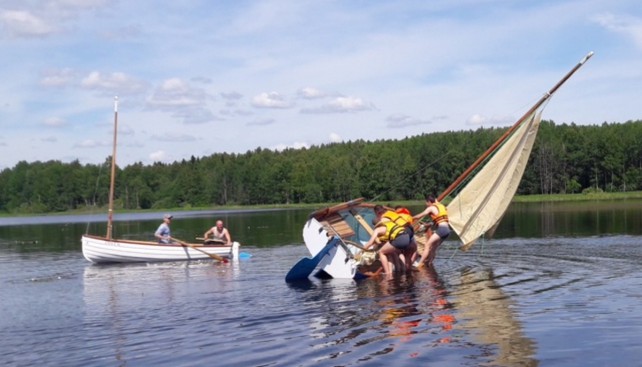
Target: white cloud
341, 105
401, 120
627, 25
270, 100
296, 145
58, 78
159, 156
116, 82
476, 120
54, 122
20, 23
176, 93
335, 138
311, 93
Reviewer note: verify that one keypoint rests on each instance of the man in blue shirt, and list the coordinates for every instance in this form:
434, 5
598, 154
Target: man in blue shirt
163, 233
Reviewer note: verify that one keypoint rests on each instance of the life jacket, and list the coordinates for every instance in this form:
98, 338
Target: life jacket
405, 215
396, 218
441, 216
392, 231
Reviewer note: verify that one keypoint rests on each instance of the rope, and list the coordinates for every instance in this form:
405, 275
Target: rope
407, 178
453, 255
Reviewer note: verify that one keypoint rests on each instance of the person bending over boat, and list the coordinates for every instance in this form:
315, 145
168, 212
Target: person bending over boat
163, 232
404, 213
393, 236
219, 233
440, 231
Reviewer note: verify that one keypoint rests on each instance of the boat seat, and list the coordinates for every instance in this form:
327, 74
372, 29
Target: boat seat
340, 226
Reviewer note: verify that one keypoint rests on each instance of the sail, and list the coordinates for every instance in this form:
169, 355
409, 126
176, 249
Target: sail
482, 202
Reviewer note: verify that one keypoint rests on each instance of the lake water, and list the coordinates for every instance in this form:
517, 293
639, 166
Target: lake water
558, 286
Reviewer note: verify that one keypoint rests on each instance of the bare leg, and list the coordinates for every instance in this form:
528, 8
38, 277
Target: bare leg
432, 242
433, 251
409, 254
385, 251
385, 264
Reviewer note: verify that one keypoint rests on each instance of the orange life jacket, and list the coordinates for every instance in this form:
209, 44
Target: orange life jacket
441, 216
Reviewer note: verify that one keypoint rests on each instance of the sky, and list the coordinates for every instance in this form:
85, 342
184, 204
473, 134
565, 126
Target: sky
199, 77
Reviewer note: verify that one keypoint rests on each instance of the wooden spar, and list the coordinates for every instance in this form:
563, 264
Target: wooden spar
332, 209
497, 143
113, 172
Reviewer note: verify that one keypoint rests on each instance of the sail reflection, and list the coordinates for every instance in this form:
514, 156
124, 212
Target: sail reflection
487, 313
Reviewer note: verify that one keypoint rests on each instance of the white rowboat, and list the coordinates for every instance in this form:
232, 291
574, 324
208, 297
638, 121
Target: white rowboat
99, 250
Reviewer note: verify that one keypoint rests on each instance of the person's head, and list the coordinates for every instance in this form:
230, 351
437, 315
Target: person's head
167, 218
379, 210
219, 224
430, 198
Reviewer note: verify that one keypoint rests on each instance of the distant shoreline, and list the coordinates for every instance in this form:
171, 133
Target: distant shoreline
594, 196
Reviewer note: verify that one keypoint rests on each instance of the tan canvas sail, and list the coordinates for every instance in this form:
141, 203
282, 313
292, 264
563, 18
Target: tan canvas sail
482, 203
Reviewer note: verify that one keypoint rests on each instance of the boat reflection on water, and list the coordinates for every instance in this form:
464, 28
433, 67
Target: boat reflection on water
418, 317
129, 308
486, 313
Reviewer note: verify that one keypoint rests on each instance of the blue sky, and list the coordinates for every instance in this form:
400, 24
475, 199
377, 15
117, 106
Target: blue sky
198, 77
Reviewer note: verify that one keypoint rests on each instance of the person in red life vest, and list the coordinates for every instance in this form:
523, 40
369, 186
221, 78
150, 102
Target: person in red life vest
392, 234
440, 231
404, 214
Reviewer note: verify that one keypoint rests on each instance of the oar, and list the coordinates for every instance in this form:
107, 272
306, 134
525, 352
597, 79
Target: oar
213, 256
302, 269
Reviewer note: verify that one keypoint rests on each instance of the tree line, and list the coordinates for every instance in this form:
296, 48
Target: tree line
566, 158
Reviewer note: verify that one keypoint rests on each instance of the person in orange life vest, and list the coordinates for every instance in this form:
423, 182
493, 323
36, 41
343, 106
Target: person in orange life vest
393, 236
219, 233
441, 229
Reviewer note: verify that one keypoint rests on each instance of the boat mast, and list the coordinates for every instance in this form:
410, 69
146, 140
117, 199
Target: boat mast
113, 171
497, 143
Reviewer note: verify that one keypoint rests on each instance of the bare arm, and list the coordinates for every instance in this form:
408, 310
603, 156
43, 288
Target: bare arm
228, 238
373, 239
426, 211
207, 233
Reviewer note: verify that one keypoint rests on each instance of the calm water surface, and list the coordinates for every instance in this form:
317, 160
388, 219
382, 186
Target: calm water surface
558, 286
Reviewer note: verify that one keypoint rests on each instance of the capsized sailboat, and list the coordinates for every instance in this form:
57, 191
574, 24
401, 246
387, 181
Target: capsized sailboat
484, 191
107, 249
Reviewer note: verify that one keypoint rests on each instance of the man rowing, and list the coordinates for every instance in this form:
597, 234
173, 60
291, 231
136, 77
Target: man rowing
219, 234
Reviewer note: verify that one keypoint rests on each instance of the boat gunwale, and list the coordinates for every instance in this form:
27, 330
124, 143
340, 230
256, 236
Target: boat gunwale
150, 243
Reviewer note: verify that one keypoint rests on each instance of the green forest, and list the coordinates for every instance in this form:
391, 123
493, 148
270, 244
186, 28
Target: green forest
567, 158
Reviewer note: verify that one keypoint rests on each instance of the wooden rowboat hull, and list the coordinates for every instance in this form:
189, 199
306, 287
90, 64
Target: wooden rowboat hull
100, 250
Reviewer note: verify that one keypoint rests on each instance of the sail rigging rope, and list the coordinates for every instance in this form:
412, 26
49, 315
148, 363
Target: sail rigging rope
414, 175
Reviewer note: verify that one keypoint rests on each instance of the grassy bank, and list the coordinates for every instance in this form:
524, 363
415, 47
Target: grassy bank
579, 197
520, 198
